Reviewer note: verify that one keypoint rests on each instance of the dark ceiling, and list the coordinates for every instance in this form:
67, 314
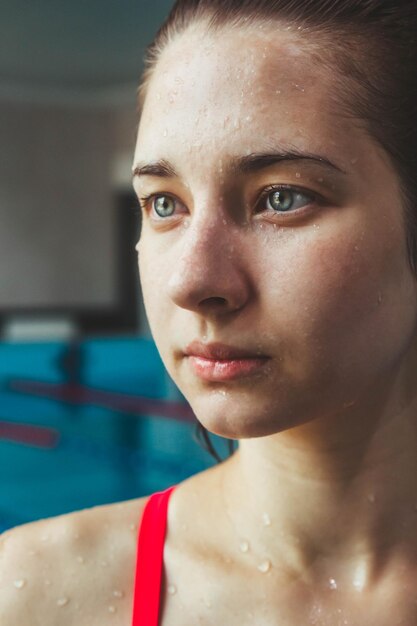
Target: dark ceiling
51, 49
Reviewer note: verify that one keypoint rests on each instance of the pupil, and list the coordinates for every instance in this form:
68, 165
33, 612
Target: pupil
281, 200
164, 206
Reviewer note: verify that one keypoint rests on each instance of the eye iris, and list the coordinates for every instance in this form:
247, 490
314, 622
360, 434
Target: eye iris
281, 200
164, 206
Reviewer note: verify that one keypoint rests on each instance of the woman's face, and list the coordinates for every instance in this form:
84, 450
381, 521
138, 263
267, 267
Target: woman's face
274, 226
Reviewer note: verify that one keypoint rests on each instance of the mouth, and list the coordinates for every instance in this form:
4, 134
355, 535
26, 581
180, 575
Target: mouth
220, 363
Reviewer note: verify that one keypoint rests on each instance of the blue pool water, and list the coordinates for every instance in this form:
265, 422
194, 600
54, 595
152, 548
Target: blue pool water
68, 438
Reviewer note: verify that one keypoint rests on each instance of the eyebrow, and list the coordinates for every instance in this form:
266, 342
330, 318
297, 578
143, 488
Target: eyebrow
246, 164
161, 168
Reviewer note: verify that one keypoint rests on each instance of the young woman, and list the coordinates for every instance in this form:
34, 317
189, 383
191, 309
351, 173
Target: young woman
276, 170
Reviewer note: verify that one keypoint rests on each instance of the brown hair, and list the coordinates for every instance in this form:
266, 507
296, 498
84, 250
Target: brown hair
373, 45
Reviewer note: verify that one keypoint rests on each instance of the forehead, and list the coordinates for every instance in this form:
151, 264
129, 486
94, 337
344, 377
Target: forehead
229, 90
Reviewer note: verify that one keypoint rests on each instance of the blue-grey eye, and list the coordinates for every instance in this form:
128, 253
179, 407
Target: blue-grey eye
164, 206
283, 200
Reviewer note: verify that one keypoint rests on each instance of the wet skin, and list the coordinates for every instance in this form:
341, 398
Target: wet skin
322, 290
308, 288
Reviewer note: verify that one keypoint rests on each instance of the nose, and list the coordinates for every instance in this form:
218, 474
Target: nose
209, 276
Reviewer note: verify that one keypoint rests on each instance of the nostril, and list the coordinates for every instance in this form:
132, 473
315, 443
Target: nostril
214, 301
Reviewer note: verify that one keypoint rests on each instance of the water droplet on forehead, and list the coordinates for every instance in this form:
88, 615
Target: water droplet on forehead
332, 584
265, 566
172, 590
118, 594
47, 582
80, 559
244, 546
266, 519
19, 584
165, 133
112, 609
62, 601
298, 175
207, 603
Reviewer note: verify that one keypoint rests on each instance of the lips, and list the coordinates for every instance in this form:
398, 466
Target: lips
218, 362
219, 352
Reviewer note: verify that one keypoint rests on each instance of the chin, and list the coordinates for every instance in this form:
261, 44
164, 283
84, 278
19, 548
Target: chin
243, 417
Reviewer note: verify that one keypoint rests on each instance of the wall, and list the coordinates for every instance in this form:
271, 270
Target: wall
59, 170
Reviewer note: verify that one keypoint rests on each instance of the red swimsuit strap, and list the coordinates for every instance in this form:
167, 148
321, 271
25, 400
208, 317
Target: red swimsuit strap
149, 559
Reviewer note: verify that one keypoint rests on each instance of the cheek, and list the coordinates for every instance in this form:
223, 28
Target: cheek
332, 296
153, 285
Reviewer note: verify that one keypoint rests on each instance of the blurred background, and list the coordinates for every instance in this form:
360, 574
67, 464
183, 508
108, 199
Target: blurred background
88, 414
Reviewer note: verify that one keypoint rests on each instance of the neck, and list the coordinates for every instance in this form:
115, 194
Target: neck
340, 492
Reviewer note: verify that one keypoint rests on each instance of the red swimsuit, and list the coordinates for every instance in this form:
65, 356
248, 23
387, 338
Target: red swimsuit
149, 560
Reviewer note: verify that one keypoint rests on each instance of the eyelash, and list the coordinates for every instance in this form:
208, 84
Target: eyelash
315, 198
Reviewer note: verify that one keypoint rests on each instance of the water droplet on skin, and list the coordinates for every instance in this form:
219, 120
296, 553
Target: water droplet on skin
249, 118
172, 590
62, 601
132, 527
165, 133
265, 566
45, 538
266, 519
32, 553
278, 91
298, 175
118, 594
112, 609
76, 535
19, 584
380, 298
332, 584
158, 96
244, 546
371, 498
47, 582
353, 161
320, 180
80, 559
360, 578
103, 563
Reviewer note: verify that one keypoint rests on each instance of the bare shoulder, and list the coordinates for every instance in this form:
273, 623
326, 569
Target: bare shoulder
71, 569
